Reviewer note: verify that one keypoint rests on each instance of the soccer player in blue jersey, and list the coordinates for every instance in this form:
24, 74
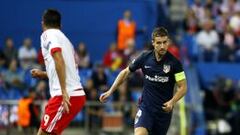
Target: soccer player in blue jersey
161, 72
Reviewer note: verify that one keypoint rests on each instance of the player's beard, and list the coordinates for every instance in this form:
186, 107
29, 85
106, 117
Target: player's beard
160, 53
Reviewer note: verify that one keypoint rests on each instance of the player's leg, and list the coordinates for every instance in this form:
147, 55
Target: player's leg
41, 132
161, 124
143, 123
140, 131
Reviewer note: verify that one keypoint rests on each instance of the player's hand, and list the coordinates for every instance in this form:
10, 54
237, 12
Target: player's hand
168, 106
36, 73
66, 102
103, 98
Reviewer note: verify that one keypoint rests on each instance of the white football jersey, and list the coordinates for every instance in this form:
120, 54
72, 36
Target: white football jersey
54, 40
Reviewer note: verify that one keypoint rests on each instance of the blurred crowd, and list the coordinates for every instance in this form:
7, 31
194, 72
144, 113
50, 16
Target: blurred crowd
210, 30
210, 33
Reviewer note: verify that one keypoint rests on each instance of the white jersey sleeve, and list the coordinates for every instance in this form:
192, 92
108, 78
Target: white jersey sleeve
51, 43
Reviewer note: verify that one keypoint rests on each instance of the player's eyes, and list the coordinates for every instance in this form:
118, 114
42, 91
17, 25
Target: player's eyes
164, 42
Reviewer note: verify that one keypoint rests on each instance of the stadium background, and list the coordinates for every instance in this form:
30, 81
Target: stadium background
212, 104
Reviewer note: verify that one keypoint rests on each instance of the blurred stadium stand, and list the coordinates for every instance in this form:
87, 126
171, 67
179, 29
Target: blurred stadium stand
93, 22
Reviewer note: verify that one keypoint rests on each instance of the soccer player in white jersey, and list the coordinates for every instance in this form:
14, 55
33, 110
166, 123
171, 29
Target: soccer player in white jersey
67, 95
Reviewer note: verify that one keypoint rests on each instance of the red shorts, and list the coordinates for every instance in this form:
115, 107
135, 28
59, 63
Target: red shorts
54, 120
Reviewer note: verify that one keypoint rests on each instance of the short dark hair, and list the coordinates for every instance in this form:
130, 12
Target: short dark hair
159, 32
52, 18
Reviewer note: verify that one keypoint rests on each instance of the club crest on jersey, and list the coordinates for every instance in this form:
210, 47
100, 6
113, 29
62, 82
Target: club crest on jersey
166, 68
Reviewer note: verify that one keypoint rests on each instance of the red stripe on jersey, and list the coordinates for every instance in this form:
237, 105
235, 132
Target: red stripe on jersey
57, 49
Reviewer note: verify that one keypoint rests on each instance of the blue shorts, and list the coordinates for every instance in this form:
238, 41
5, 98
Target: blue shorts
155, 124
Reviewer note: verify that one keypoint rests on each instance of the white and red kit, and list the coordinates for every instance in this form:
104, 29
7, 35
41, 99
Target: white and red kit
55, 119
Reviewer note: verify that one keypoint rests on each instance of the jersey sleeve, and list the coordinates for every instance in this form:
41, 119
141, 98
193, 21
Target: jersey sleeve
179, 73
52, 44
136, 63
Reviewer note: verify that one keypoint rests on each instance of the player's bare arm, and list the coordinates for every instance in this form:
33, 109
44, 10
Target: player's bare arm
60, 68
181, 91
122, 76
37, 73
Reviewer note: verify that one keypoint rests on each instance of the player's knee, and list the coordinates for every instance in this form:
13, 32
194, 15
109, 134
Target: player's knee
140, 131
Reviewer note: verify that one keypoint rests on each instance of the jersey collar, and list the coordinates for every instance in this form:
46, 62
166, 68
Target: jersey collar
163, 58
